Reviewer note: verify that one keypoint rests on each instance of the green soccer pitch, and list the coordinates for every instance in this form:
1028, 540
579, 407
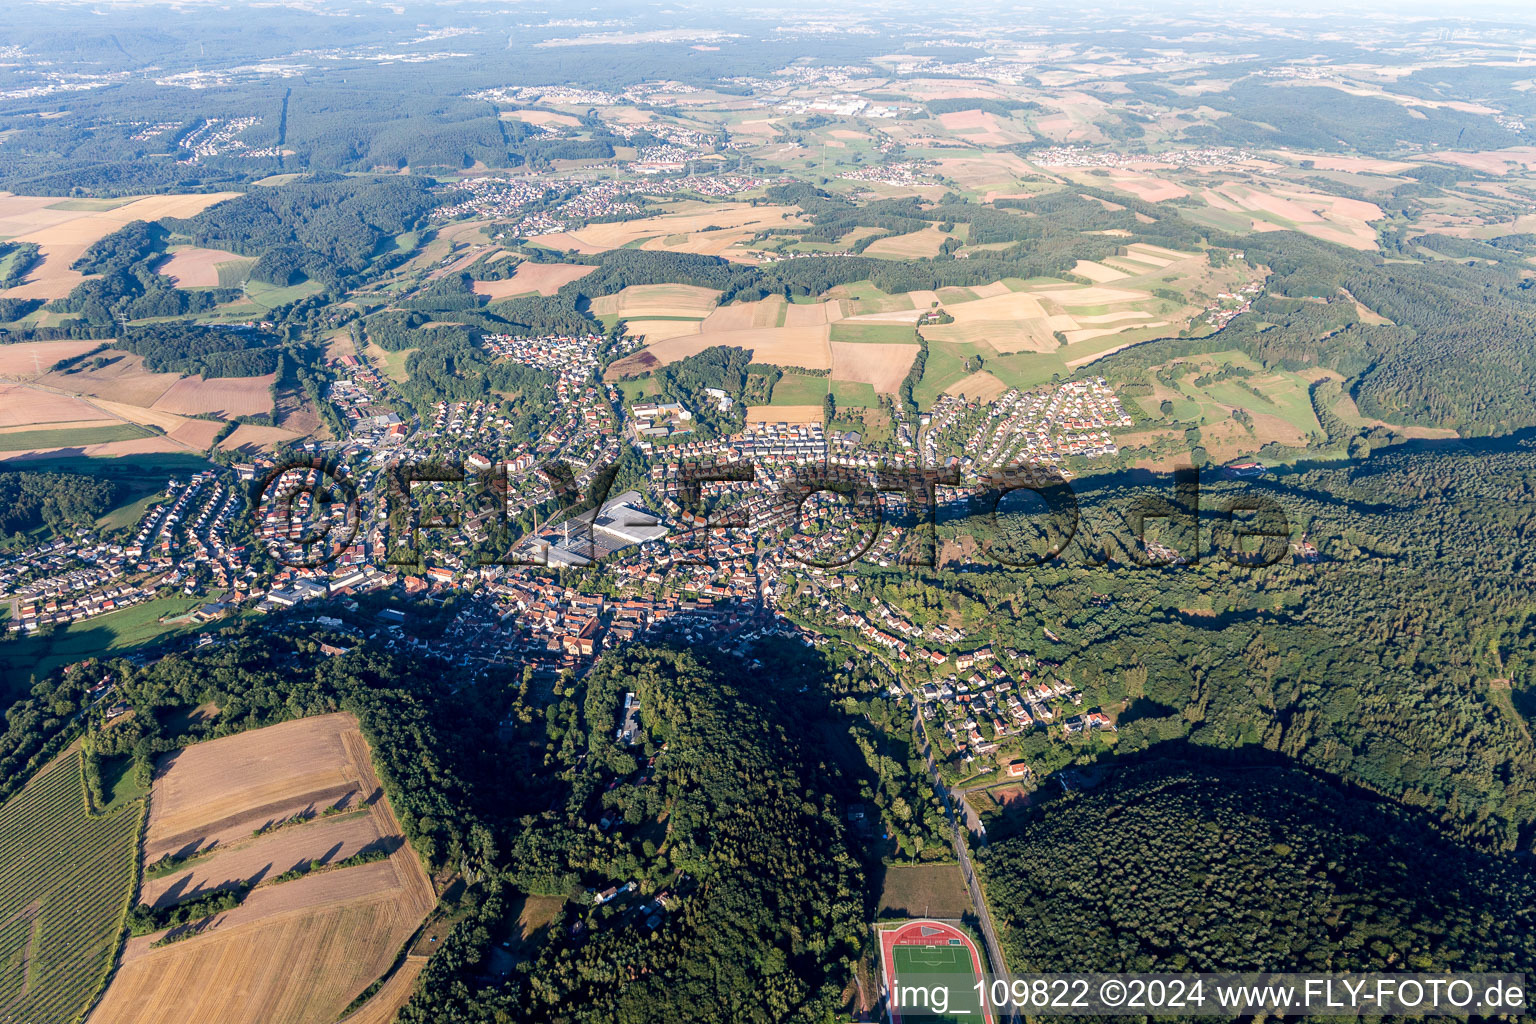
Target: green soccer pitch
934, 985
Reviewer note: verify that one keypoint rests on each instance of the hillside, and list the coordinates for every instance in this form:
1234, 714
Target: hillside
1172, 868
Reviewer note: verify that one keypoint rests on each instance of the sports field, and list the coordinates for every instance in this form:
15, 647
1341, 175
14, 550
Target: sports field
931, 974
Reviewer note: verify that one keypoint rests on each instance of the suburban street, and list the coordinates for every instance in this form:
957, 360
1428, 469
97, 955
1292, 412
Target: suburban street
997, 965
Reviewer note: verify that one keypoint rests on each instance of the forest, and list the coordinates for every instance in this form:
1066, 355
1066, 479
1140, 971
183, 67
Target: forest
1177, 867
340, 220
1398, 660
761, 900
188, 348
57, 501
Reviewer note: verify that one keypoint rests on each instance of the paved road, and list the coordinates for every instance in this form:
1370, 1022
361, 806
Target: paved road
996, 965
983, 914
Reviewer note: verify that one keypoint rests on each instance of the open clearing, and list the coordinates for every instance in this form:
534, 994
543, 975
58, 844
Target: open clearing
799, 389
925, 890
198, 268
67, 879
103, 635
63, 232
543, 278
882, 366
295, 952
219, 396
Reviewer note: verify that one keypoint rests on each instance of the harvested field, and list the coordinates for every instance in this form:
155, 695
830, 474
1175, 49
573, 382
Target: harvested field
294, 952
56, 425
295, 957
122, 379
879, 365
196, 433
1147, 188
1089, 333
1073, 296
980, 386
64, 233
1493, 161
661, 330
166, 421
890, 316
784, 414
218, 396
31, 359
1097, 272
1147, 253
250, 438
1130, 267
1330, 218
741, 316
541, 117
1001, 306
1009, 322
197, 268
742, 217
543, 278
655, 300
25, 407
1004, 337
993, 171
1349, 164
981, 128
812, 314
1108, 318
99, 449
913, 245
394, 994
784, 346
226, 788
329, 839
